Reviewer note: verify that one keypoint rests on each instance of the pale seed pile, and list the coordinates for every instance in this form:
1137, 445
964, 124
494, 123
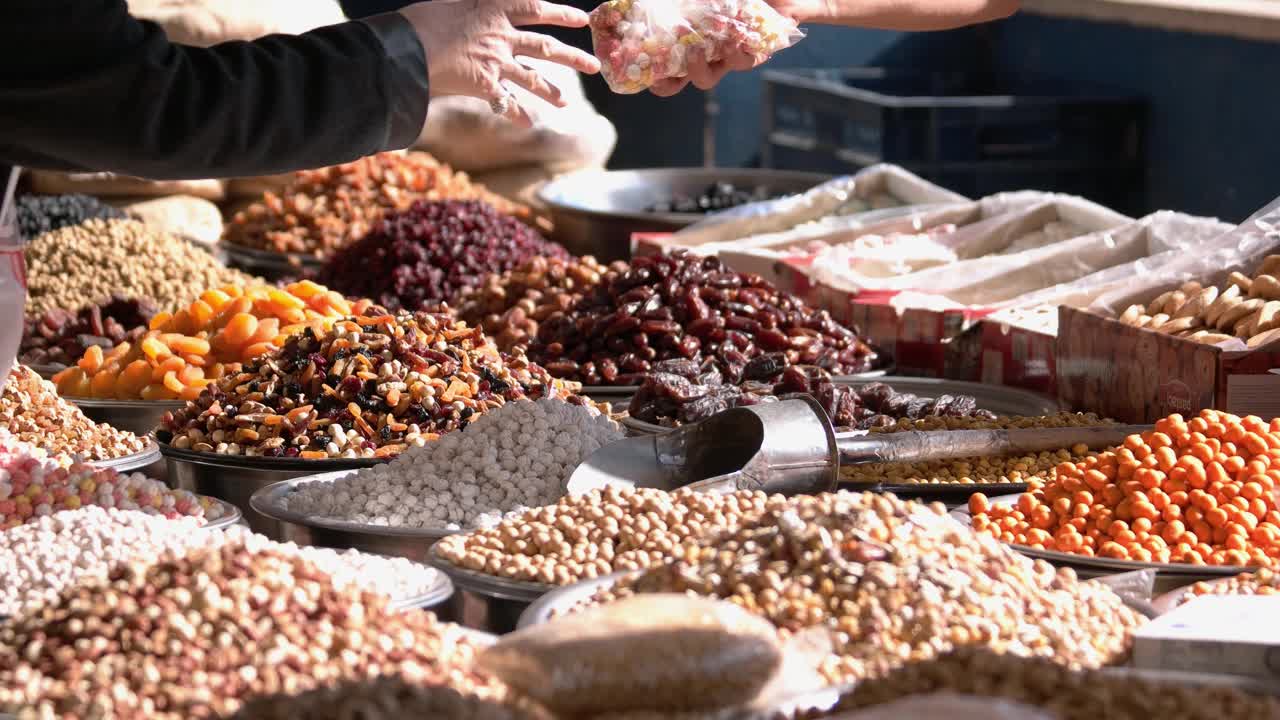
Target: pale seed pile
1263, 582
198, 636
32, 412
512, 458
896, 582
601, 532
79, 265
42, 559
389, 698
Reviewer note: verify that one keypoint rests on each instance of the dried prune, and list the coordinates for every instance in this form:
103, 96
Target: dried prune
765, 367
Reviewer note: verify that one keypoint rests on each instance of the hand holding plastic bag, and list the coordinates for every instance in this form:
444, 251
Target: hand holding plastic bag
643, 42
13, 278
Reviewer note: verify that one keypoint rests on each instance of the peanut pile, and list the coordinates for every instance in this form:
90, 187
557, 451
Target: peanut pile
1064, 693
32, 412
389, 698
198, 636
82, 264
599, 533
323, 210
1248, 308
510, 306
896, 582
1263, 582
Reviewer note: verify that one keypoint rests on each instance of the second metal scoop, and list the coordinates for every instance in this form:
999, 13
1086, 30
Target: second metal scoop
790, 447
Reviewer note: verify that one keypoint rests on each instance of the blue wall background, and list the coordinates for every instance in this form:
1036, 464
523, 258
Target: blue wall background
1213, 135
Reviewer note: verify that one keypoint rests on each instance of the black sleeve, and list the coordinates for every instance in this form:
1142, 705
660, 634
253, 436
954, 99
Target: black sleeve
85, 86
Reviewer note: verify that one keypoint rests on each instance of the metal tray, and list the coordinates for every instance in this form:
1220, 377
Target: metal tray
947, 493
485, 602
235, 478
134, 461
547, 607
1183, 570
411, 543
140, 417
268, 264
230, 516
435, 596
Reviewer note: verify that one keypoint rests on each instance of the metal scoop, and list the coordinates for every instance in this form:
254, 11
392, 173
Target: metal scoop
791, 447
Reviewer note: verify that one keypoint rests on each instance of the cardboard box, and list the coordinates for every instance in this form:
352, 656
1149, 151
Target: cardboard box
1220, 635
1139, 376
1018, 356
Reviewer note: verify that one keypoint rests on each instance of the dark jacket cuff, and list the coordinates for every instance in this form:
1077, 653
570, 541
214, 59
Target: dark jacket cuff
406, 90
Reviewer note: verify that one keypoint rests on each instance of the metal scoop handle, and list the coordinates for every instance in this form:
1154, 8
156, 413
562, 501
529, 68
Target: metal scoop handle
916, 446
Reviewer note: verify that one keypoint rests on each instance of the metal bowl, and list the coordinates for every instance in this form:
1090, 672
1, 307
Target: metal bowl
134, 461
231, 515
235, 478
555, 602
485, 602
137, 416
411, 543
434, 597
268, 264
595, 212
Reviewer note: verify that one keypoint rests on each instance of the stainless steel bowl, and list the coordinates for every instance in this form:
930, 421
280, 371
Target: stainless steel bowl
134, 461
436, 596
485, 602
595, 212
137, 416
268, 264
556, 602
235, 478
412, 543
231, 515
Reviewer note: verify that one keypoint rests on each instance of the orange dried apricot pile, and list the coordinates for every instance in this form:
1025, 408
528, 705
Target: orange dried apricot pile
183, 352
1199, 491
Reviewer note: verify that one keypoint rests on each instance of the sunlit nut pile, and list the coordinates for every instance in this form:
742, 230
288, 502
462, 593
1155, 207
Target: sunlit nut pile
387, 698
599, 533
1263, 582
512, 458
34, 486
199, 635
896, 582
684, 306
367, 387
41, 559
322, 210
184, 352
1247, 308
510, 306
38, 214
1064, 693
1198, 491
1001, 422
59, 337
676, 392
429, 252
32, 412
81, 264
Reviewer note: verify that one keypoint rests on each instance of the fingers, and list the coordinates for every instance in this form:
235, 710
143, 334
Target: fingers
545, 47
706, 76
668, 87
537, 12
530, 80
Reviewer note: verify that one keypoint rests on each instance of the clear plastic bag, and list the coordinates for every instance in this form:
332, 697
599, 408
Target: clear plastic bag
653, 652
13, 277
640, 42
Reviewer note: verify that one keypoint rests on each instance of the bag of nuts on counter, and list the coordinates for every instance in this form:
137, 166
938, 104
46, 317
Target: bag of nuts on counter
13, 275
654, 652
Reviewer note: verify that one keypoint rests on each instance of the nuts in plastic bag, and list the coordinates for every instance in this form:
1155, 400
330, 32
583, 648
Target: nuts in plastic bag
656, 652
13, 276
640, 42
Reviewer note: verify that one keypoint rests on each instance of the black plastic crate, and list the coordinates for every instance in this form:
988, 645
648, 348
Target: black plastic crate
948, 121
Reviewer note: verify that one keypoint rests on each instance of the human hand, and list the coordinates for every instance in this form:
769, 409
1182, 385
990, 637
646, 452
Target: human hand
472, 45
704, 75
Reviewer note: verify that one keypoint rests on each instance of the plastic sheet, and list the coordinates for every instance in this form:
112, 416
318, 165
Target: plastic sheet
13, 276
652, 652
640, 42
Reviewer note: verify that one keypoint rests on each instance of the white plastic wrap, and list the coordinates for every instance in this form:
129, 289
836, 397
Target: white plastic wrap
640, 42
879, 187
13, 276
951, 706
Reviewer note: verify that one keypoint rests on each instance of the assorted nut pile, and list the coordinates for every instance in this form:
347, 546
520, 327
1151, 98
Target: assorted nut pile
510, 306
681, 306
323, 210
1199, 491
1263, 582
184, 352
512, 458
599, 533
39, 214
428, 253
1247, 308
40, 560
35, 486
386, 698
81, 264
896, 582
366, 387
681, 391
199, 635
1064, 693
32, 412
59, 337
